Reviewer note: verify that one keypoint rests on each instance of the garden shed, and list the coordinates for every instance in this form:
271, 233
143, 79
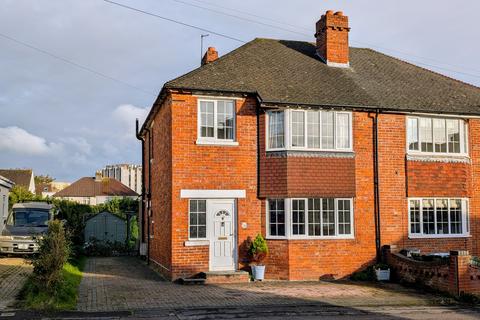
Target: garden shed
106, 226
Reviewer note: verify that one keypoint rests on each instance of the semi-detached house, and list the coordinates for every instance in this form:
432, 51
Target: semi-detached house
329, 151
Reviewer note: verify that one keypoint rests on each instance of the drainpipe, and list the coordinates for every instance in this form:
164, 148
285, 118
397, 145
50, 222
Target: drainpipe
139, 137
376, 188
149, 193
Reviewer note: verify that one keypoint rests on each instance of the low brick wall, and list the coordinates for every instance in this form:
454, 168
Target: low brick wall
456, 275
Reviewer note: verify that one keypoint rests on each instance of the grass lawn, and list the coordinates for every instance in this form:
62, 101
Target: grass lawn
65, 297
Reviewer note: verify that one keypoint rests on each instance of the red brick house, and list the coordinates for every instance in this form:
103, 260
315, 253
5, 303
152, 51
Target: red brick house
328, 151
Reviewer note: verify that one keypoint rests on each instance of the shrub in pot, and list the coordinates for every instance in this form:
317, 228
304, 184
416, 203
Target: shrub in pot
258, 251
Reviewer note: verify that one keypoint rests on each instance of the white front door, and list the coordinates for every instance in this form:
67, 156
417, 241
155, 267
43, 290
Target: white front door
222, 234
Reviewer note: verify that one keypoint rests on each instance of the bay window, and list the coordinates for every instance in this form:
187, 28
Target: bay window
310, 218
216, 121
436, 135
312, 130
438, 217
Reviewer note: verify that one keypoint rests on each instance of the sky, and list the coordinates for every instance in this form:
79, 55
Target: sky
68, 107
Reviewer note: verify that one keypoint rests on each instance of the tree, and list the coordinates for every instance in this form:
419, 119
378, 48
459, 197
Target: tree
43, 179
21, 194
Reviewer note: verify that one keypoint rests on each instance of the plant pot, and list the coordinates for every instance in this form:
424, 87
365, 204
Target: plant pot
382, 275
258, 272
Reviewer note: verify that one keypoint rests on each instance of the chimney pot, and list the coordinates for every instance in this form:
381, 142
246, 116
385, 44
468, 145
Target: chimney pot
332, 39
210, 56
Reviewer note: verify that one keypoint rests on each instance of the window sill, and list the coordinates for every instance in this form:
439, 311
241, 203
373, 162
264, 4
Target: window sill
431, 157
196, 243
310, 153
311, 238
216, 143
438, 236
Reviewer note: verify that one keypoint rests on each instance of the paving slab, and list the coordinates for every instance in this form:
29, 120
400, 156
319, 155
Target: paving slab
13, 274
126, 283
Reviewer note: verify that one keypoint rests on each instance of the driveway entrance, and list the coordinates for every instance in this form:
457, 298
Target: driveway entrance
126, 283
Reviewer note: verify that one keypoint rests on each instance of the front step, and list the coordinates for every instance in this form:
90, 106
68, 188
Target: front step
214, 277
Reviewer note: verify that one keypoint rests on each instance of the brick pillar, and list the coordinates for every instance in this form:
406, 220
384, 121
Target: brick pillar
458, 278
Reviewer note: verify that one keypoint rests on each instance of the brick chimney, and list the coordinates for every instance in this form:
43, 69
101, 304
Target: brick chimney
210, 56
332, 39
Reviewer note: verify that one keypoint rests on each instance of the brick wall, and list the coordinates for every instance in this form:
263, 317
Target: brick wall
437, 179
456, 275
211, 167
161, 162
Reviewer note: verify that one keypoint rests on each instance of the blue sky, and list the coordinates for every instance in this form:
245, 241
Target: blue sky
67, 122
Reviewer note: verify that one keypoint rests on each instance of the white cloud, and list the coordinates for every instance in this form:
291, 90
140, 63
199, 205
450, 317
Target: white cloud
125, 115
79, 143
20, 141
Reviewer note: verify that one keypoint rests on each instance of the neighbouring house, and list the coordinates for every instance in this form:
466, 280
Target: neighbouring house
5, 186
128, 174
329, 151
21, 177
95, 190
48, 189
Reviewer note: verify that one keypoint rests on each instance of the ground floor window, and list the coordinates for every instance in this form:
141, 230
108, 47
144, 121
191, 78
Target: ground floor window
197, 219
310, 218
438, 217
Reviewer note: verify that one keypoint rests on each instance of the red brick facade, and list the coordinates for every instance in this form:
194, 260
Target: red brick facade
180, 163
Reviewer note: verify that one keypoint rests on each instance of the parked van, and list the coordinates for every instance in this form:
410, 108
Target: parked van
26, 223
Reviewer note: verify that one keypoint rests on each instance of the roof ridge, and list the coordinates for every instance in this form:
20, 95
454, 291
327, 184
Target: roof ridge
202, 67
423, 68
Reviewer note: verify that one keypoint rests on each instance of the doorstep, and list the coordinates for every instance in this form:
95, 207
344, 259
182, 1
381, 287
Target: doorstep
213, 277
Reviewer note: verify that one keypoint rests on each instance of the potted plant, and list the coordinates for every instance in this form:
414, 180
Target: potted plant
382, 271
258, 251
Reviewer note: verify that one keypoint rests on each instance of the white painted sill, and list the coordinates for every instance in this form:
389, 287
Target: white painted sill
303, 238
438, 236
196, 243
216, 143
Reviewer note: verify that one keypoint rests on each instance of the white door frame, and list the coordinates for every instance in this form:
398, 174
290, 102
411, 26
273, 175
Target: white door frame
210, 233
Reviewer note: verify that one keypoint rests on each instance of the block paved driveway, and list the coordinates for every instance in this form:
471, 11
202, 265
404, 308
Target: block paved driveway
126, 283
13, 274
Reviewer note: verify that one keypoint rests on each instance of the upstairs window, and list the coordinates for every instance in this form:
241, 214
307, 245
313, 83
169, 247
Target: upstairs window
436, 135
216, 120
309, 130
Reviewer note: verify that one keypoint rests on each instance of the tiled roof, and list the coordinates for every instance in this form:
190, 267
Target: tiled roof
21, 177
290, 72
89, 187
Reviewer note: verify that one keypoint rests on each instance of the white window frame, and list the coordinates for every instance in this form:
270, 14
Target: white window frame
286, 207
206, 223
465, 219
288, 125
288, 221
463, 137
214, 140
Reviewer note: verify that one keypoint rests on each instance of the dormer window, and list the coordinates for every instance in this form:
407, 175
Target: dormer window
436, 136
310, 130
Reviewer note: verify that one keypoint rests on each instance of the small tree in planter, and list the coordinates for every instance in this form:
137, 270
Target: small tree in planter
258, 251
